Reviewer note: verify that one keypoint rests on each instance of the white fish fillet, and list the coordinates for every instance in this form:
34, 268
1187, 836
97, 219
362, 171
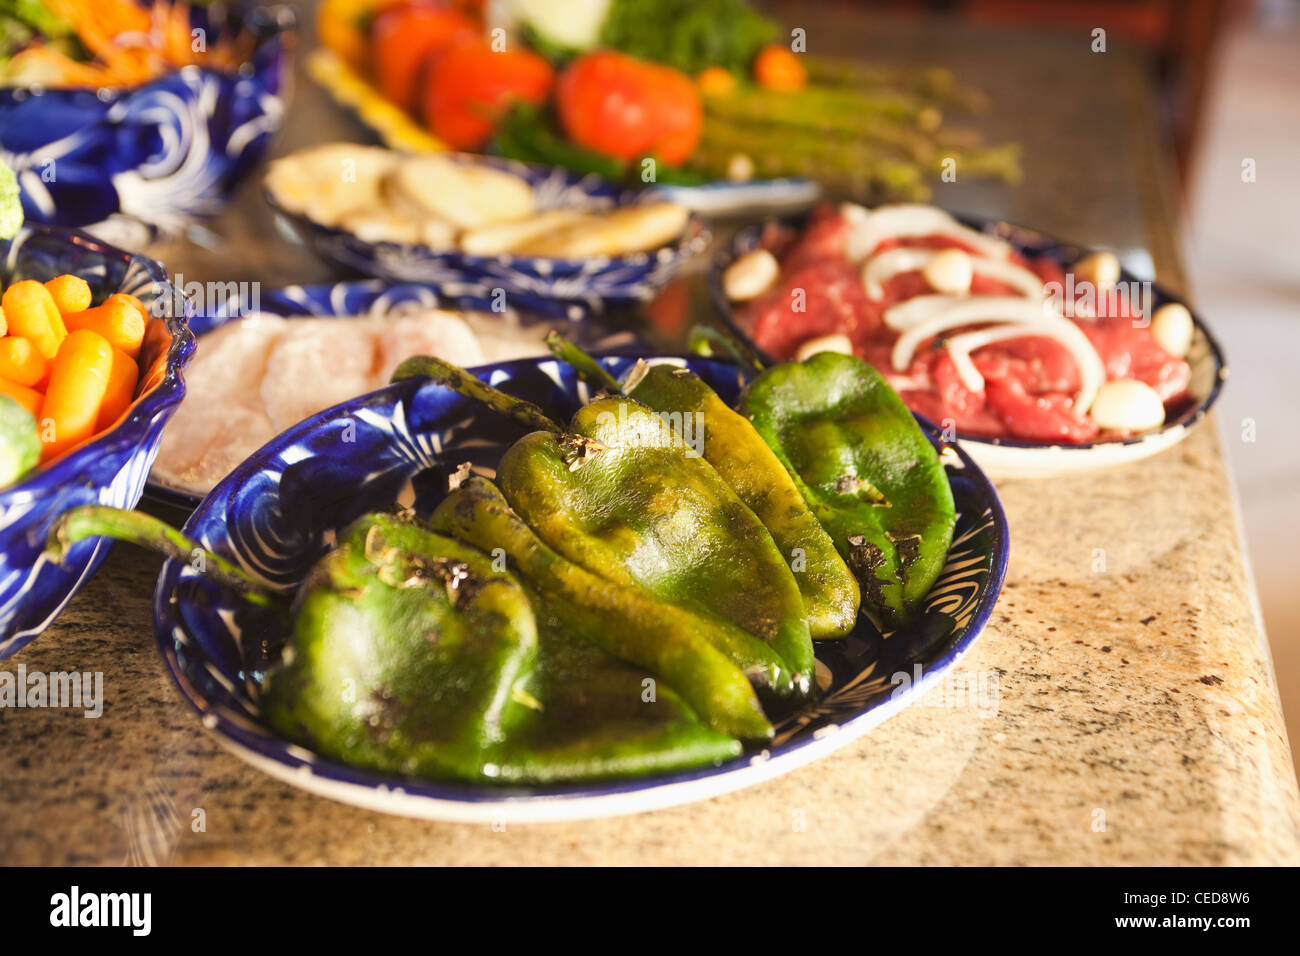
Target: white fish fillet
222, 401
254, 377
443, 334
317, 363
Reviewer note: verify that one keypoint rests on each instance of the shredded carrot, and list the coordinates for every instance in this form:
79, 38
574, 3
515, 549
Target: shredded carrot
131, 43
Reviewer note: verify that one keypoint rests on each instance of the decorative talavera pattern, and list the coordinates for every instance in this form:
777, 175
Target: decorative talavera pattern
109, 470
557, 287
281, 509
161, 153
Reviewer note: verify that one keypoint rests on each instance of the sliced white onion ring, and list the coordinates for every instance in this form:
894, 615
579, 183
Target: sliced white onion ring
883, 267
955, 310
911, 221
1027, 317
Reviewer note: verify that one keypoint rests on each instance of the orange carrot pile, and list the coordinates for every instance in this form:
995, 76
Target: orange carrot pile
72, 366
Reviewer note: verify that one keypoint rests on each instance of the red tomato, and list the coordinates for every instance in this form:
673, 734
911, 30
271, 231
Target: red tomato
470, 85
402, 41
628, 108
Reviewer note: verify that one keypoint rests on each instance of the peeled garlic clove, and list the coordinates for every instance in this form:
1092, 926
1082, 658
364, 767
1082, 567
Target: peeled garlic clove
839, 342
1100, 268
740, 168
949, 272
1173, 328
854, 213
1127, 405
750, 276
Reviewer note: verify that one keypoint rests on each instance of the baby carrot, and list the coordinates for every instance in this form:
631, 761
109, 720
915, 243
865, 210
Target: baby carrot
21, 362
122, 377
117, 320
70, 293
31, 313
78, 382
28, 398
139, 306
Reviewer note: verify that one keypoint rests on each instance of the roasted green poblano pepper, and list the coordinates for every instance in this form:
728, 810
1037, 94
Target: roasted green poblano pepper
867, 471
676, 645
411, 653
621, 494
740, 455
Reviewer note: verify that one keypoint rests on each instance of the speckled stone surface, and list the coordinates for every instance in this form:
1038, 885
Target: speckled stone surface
1135, 719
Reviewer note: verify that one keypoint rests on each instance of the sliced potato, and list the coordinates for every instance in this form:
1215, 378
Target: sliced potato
331, 182
508, 236
466, 195
613, 233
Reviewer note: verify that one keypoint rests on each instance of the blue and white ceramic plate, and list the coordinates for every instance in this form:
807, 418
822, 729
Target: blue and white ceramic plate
371, 297
1011, 458
111, 468
279, 511
557, 287
161, 153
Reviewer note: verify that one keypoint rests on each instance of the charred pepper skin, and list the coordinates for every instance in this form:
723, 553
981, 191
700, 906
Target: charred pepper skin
426, 638
640, 508
648, 514
867, 471
411, 653
627, 622
740, 455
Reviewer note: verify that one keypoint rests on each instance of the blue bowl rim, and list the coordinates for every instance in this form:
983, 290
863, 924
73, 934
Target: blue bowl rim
280, 20
1015, 234
277, 749
130, 430
694, 238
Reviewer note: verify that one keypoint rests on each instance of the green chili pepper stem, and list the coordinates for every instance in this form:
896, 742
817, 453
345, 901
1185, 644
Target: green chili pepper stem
465, 383
709, 337
94, 521
588, 369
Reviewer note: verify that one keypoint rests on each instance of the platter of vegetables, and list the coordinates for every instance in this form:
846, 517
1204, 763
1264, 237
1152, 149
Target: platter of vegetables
684, 95
512, 593
151, 111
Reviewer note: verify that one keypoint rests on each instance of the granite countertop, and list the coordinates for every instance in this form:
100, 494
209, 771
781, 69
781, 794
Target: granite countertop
1135, 718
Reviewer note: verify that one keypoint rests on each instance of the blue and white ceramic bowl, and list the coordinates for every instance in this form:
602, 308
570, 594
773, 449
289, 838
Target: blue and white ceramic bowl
111, 469
1012, 458
278, 512
160, 153
559, 287
371, 297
